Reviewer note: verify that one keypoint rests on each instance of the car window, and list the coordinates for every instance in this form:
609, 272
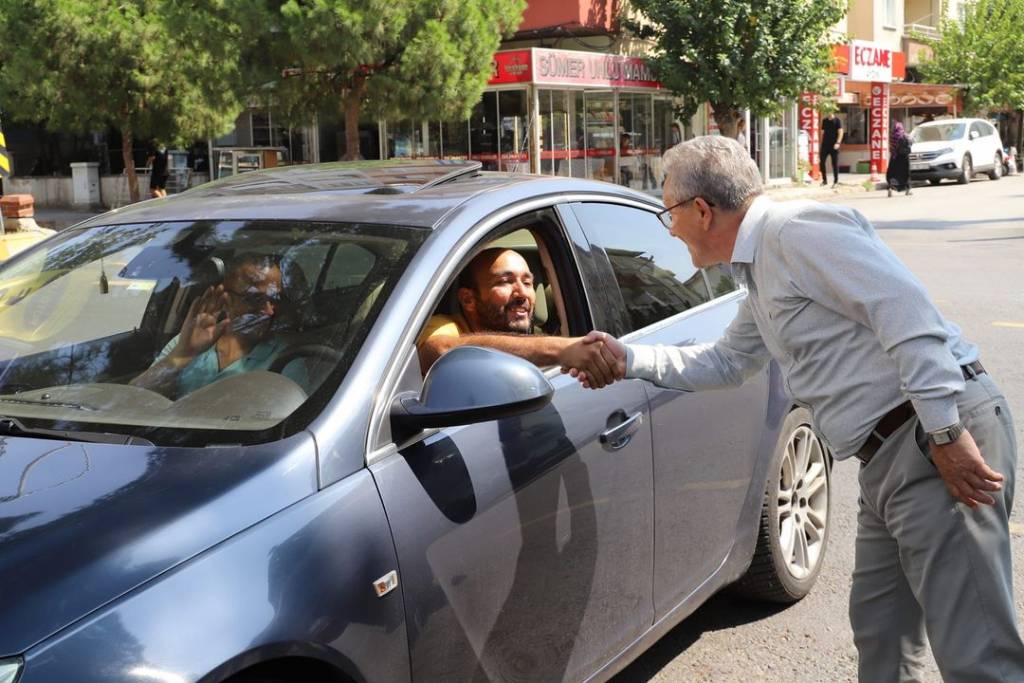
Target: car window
935, 132
653, 270
976, 130
350, 265
165, 330
720, 280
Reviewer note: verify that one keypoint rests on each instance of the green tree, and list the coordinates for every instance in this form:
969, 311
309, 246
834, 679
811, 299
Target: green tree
984, 53
737, 54
387, 58
162, 69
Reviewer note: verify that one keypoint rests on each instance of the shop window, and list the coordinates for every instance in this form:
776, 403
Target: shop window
636, 151
483, 131
514, 146
600, 135
455, 139
855, 125
555, 153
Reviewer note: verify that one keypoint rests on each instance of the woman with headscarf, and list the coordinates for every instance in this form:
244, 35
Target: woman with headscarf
898, 174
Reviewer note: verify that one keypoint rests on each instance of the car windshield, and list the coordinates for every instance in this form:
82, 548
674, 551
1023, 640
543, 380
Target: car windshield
188, 333
938, 132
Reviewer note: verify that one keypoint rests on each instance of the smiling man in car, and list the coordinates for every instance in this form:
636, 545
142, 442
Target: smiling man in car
496, 297
889, 382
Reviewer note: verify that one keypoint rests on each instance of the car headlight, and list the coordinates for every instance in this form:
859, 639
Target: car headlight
944, 150
9, 670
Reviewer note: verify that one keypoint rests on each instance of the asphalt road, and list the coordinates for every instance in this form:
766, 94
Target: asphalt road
966, 243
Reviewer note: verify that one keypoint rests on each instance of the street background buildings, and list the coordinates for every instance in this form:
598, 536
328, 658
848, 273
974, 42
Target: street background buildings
570, 95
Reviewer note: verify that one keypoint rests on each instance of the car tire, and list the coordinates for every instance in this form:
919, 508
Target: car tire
997, 168
966, 170
795, 516
934, 181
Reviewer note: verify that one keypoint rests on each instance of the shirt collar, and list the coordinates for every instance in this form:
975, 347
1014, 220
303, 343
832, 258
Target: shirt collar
749, 234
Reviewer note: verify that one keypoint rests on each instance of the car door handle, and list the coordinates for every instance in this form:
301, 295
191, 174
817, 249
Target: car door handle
618, 436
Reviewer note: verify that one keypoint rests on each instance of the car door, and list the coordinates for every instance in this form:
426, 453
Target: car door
525, 544
978, 146
704, 443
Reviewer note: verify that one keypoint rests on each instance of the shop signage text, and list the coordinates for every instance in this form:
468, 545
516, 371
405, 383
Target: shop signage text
870, 62
571, 68
879, 127
810, 123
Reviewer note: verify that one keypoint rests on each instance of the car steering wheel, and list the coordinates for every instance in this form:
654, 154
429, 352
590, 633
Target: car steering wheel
301, 351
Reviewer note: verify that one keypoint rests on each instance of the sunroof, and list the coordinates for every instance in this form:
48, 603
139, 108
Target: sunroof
401, 175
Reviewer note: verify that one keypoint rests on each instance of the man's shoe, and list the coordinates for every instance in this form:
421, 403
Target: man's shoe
835, 184
824, 183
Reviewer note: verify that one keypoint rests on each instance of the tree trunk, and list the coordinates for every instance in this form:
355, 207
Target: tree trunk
129, 163
728, 118
351, 103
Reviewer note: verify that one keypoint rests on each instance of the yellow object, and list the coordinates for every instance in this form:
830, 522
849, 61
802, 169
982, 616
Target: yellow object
13, 242
443, 326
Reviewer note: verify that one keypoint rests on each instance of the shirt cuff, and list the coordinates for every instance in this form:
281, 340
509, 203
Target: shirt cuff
641, 361
936, 413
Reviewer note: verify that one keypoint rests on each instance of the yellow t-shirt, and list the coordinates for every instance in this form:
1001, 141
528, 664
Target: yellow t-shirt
443, 326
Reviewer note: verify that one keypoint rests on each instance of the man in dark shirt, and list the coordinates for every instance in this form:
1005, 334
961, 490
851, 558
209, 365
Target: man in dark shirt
831, 137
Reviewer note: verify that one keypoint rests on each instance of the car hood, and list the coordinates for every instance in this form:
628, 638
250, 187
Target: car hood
935, 145
83, 523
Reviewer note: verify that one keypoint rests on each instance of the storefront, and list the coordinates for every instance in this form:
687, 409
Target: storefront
556, 112
871, 97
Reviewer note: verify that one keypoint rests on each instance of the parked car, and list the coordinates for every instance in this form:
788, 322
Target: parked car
355, 520
955, 149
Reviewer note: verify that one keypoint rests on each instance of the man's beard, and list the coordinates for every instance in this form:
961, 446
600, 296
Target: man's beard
496, 317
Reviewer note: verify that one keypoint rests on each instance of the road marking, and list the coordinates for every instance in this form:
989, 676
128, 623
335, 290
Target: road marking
1002, 323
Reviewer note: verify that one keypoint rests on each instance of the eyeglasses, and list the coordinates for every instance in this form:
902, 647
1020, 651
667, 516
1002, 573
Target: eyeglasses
254, 299
665, 215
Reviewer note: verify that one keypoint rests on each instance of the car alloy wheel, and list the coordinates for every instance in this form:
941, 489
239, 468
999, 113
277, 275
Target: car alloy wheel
997, 168
966, 170
795, 517
802, 509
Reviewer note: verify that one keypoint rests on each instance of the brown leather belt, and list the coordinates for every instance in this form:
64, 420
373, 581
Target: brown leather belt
899, 415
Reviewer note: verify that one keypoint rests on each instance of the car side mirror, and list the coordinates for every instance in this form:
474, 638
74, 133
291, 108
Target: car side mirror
472, 384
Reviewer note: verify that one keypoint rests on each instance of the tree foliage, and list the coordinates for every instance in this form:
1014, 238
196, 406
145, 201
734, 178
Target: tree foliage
150, 68
387, 58
984, 53
737, 54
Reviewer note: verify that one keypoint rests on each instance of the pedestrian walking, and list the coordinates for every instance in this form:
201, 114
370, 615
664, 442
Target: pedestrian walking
889, 382
158, 173
831, 139
897, 175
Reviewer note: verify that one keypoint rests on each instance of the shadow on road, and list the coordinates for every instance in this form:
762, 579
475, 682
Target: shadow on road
723, 611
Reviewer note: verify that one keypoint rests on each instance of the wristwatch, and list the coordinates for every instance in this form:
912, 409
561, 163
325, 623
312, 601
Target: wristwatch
946, 435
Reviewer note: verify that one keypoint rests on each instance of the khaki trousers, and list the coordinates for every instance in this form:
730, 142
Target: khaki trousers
925, 564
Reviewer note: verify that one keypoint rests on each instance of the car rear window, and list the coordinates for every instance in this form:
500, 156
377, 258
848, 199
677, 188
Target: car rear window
189, 333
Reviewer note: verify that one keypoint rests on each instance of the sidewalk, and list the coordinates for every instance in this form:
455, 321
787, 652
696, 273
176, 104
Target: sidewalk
58, 219
849, 183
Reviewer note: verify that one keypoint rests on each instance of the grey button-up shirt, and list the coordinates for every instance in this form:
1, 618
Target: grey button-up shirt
853, 331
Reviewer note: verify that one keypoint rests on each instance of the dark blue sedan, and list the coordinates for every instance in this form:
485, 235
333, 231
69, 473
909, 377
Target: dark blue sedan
220, 459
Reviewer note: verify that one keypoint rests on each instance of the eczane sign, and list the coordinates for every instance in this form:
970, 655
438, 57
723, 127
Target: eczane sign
870, 62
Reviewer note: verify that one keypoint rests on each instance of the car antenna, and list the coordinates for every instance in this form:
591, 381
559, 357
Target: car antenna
104, 283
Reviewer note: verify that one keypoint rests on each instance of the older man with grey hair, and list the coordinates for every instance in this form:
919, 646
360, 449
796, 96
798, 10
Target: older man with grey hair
888, 381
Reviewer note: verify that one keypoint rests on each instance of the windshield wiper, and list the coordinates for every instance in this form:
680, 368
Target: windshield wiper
9, 426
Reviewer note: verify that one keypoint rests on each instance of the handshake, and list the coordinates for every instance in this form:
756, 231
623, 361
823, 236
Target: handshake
596, 360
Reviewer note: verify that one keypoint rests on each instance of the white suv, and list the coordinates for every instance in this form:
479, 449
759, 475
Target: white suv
955, 148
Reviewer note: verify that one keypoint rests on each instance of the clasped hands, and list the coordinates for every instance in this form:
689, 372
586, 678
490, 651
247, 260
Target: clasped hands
596, 360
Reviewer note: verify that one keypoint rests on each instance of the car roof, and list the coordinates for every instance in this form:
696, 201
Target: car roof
418, 193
